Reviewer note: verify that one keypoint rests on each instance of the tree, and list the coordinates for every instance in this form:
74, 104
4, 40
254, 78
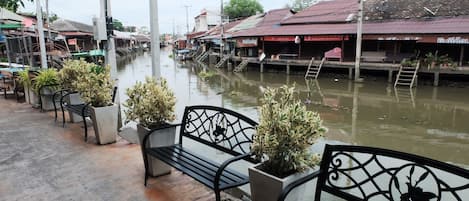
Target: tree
117, 25
12, 5
299, 5
242, 8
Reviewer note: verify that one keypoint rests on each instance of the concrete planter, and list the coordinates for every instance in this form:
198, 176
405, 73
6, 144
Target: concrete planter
46, 99
33, 97
105, 123
74, 99
26, 95
161, 138
266, 187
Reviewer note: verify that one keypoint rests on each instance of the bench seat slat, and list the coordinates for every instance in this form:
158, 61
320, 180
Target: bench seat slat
196, 166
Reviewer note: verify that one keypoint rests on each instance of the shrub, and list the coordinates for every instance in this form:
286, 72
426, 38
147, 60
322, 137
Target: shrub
95, 86
150, 103
285, 133
71, 71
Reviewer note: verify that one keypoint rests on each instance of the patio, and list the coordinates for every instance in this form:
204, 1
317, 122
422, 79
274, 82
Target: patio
40, 160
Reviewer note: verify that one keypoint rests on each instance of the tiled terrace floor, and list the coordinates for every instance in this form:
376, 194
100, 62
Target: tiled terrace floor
40, 160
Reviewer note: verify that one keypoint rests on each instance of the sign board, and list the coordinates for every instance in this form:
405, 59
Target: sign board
319, 38
246, 42
452, 40
279, 38
72, 41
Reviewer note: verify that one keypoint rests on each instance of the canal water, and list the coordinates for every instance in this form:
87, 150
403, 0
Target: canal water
427, 121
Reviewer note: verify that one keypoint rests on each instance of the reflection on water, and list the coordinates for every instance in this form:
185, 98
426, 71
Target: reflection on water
427, 121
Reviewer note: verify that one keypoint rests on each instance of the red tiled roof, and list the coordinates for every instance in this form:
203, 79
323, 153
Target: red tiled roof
335, 11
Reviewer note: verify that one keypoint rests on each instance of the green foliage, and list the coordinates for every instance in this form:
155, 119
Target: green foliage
299, 5
23, 78
70, 72
433, 60
44, 78
151, 103
12, 5
206, 74
286, 132
118, 25
409, 63
242, 8
95, 86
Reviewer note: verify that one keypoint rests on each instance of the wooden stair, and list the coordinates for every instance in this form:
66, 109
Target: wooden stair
407, 76
222, 61
313, 71
242, 66
203, 57
405, 96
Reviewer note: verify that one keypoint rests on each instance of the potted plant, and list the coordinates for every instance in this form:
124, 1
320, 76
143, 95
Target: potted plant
151, 104
45, 84
23, 78
284, 136
70, 72
95, 88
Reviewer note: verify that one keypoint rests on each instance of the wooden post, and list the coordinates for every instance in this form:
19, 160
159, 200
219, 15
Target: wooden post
262, 67
350, 73
395, 52
390, 73
437, 79
461, 56
288, 68
343, 49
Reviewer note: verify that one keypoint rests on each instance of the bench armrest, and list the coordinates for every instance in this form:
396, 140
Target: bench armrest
147, 136
225, 165
297, 183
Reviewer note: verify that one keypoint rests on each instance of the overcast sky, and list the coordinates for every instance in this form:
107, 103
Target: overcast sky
136, 12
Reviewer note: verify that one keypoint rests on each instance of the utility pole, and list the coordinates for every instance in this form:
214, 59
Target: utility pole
111, 48
222, 29
187, 24
48, 20
359, 41
40, 29
155, 39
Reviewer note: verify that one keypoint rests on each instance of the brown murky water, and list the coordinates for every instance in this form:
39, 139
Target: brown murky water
427, 121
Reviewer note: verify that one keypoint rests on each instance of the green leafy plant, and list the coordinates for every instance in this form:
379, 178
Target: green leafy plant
409, 63
23, 78
150, 103
71, 70
285, 133
206, 74
95, 86
44, 78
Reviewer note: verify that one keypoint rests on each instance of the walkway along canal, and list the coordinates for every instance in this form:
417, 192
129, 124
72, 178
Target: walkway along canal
426, 121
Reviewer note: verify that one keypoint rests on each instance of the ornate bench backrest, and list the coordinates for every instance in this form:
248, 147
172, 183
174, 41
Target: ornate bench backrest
219, 128
364, 173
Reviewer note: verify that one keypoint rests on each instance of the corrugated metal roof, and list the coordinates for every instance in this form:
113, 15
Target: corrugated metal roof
325, 12
63, 25
434, 26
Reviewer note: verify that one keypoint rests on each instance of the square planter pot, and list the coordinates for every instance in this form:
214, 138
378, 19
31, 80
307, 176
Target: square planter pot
27, 97
33, 97
105, 123
266, 187
161, 138
74, 99
46, 99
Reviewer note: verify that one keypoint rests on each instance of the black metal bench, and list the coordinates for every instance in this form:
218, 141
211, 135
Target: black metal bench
356, 173
83, 109
218, 128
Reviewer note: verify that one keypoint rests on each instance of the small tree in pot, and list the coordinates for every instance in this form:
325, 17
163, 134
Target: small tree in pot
284, 136
96, 88
151, 104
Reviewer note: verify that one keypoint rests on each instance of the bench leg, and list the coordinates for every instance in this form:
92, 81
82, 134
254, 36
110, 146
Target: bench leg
217, 195
86, 128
